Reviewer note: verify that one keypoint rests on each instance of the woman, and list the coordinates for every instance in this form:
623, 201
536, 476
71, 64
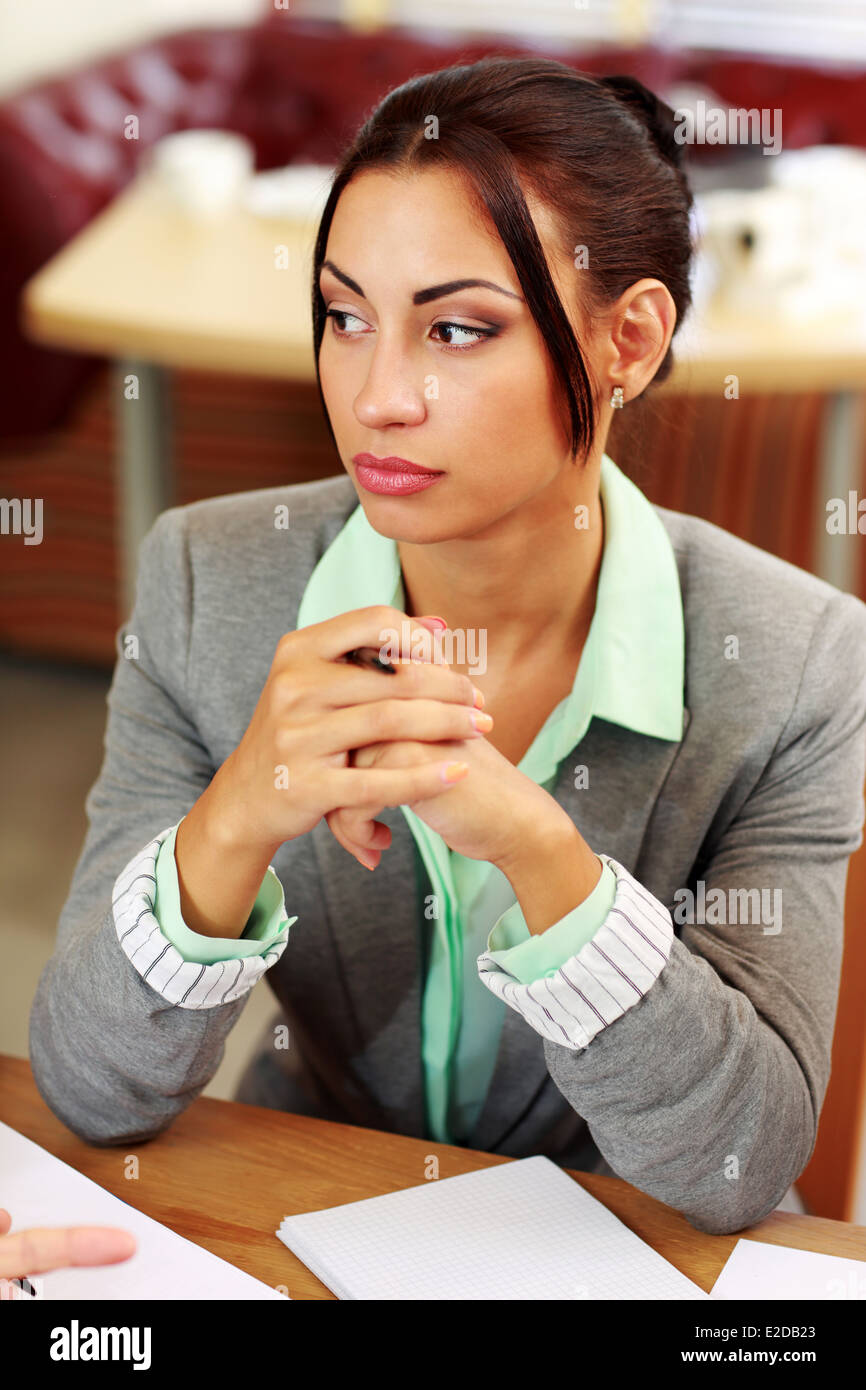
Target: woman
675, 717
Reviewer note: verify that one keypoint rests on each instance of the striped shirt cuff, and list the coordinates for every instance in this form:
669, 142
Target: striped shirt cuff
188, 984
608, 976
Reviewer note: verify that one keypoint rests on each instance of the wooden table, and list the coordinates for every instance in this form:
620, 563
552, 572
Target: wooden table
256, 1166
154, 290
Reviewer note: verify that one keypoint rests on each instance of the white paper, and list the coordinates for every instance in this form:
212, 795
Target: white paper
520, 1230
757, 1270
37, 1189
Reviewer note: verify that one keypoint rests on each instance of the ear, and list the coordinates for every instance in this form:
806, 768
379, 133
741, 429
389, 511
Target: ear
642, 323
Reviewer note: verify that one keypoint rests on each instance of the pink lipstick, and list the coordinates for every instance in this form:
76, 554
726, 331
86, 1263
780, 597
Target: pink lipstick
394, 477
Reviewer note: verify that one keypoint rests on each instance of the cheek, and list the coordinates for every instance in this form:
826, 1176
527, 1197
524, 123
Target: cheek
507, 416
342, 374
334, 384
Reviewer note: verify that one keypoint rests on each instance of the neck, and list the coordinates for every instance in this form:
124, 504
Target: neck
529, 581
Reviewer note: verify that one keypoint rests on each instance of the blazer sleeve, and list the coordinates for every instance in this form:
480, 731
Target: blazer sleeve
115, 1055
706, 1091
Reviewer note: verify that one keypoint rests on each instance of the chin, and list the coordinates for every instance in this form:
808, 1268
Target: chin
401, 520
414, 531
423, 530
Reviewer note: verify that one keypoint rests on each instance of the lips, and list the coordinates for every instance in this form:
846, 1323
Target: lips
394, 477
396, 465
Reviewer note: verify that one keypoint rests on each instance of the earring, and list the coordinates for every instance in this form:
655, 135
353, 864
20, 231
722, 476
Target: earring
616, 399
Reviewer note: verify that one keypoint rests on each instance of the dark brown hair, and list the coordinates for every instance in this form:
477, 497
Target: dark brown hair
599, 152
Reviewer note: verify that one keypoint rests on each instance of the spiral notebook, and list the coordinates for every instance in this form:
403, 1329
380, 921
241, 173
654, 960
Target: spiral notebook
519, 1230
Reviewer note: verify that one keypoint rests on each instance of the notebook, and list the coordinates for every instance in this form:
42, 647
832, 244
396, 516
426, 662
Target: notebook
519, 1230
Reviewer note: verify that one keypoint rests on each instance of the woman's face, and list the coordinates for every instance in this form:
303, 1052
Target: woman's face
460, 382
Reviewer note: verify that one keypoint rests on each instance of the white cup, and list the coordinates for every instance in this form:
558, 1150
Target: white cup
204, 172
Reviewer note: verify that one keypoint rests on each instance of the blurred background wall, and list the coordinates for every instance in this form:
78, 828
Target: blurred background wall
50, 37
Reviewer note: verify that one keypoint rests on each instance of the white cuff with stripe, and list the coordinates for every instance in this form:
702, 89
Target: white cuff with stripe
608, 976
182, 982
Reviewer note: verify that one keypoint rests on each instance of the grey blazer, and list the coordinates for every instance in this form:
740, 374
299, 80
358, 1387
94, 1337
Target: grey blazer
706, 1094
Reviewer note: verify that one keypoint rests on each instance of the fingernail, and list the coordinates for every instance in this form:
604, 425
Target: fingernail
434, 624
481, 721
452, 772
479, 698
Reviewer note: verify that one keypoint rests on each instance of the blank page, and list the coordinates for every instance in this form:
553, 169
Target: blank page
519, 1230
756, 1269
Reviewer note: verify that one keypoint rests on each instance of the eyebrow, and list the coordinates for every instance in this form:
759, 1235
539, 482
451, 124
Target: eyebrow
432, 292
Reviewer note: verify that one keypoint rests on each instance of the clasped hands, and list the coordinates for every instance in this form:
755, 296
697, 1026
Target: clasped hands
490, 814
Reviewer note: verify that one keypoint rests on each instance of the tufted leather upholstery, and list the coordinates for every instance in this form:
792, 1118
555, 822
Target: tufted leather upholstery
63, 156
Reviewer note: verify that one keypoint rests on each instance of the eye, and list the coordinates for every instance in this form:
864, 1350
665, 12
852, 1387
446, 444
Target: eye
342, 314
476, 335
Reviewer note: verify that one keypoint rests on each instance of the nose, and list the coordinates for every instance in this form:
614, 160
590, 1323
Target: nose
393, 392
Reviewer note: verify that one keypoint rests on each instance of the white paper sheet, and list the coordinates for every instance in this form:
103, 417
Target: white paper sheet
757, 1270
37, 1189
521, 1230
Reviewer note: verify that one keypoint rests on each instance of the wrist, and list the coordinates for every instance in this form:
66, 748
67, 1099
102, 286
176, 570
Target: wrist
553, 871
544, 835
217, 881
226, 824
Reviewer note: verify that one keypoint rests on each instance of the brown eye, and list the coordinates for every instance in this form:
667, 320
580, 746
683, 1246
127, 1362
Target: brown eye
342, 314
478, 333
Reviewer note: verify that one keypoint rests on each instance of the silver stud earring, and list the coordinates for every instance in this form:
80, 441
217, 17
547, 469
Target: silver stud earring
616, 399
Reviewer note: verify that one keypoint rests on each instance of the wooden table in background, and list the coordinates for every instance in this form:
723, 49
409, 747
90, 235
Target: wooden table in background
224, 1176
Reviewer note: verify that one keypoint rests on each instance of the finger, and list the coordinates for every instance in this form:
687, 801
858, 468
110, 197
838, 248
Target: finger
346, 683
393, 786
5, 1221
380, 626
38, 1250
358, 825
358, 841
367, 858
380, 835
395, 720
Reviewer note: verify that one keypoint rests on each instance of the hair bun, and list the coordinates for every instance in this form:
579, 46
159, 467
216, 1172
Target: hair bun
656, 115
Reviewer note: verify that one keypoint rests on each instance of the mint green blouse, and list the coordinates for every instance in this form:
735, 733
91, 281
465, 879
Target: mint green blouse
631, 673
